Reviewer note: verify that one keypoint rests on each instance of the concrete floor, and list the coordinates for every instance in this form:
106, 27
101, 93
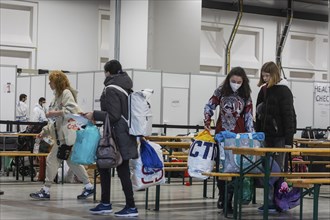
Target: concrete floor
178, 202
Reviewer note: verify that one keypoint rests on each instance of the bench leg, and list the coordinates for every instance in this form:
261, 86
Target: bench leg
31, 168
213, 188
157, 198
225, 206
316, 201
147, 198
17, 167
301, 204
254, 195
205, 188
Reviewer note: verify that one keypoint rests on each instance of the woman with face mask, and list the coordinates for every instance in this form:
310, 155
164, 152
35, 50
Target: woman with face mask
233, 97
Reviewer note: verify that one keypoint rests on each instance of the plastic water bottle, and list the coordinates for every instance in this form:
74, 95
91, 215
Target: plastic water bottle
36, 146
47, 140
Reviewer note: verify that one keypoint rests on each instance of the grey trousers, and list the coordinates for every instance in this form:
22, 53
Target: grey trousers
53, 163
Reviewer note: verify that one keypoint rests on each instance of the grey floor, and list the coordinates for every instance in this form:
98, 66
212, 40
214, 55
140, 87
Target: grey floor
178, 201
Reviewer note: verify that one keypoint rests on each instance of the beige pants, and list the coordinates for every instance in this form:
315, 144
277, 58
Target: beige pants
53, 163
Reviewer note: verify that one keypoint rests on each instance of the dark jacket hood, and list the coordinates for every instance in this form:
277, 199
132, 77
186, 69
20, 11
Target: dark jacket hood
120, 79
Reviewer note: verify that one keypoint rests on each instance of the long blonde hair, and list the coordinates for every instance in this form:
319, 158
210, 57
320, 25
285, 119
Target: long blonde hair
61, 82
273, 70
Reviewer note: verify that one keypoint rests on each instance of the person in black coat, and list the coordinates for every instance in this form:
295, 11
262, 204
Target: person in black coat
114, 103
275, 114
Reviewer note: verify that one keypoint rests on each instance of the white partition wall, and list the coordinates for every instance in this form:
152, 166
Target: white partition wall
175, 101
303, 102
85, 91
38, 88
178, 99
201, 90
98, 89
7, 93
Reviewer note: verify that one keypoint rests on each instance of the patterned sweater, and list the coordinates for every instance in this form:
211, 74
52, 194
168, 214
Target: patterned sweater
235, 113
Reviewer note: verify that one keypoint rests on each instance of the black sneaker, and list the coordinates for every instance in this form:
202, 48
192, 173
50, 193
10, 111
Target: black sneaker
85, 193
271, 209
127, 212
40, 195
101, 209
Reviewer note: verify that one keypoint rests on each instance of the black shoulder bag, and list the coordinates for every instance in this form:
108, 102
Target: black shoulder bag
64, 150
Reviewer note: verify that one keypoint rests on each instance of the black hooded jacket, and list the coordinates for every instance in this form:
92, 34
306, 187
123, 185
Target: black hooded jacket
115, 103
275, 113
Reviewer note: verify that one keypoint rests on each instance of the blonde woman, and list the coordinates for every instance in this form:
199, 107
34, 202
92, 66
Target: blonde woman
64, 102
275, 115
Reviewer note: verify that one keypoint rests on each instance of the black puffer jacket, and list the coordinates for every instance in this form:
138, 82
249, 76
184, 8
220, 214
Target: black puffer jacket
114, 102
275, 113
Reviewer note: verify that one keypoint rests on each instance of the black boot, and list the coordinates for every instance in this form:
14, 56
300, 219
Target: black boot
221, 202
230, 209
221, 199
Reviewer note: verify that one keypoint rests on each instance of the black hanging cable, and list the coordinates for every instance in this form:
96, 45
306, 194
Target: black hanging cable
283, 37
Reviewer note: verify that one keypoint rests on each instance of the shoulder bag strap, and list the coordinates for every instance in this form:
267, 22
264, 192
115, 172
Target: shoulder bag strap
56, 134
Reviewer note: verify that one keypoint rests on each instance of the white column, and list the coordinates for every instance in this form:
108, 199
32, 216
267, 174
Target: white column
174, 35
133, 33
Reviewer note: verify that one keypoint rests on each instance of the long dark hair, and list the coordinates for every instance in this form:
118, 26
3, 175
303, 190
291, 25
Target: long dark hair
244, 91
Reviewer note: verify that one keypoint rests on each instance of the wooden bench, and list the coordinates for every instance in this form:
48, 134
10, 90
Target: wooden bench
168, 138
229, 176
294, 175
171, 164
311, 185
17, 154
310, 162
180, 157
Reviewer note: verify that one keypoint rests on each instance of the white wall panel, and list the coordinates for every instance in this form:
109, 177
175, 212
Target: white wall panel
7, 94
201, 90
18, 56
134, 34
254, 43
37, 90
212, 48
85, 91
104, 37
175, 105
18, 23
98, 89
246, 50
303, 102
175, 80
73, 79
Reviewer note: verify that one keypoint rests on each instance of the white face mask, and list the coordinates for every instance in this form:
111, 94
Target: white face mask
235, 86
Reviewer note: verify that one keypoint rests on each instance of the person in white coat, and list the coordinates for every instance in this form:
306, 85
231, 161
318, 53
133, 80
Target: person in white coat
39, 111
22, 111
